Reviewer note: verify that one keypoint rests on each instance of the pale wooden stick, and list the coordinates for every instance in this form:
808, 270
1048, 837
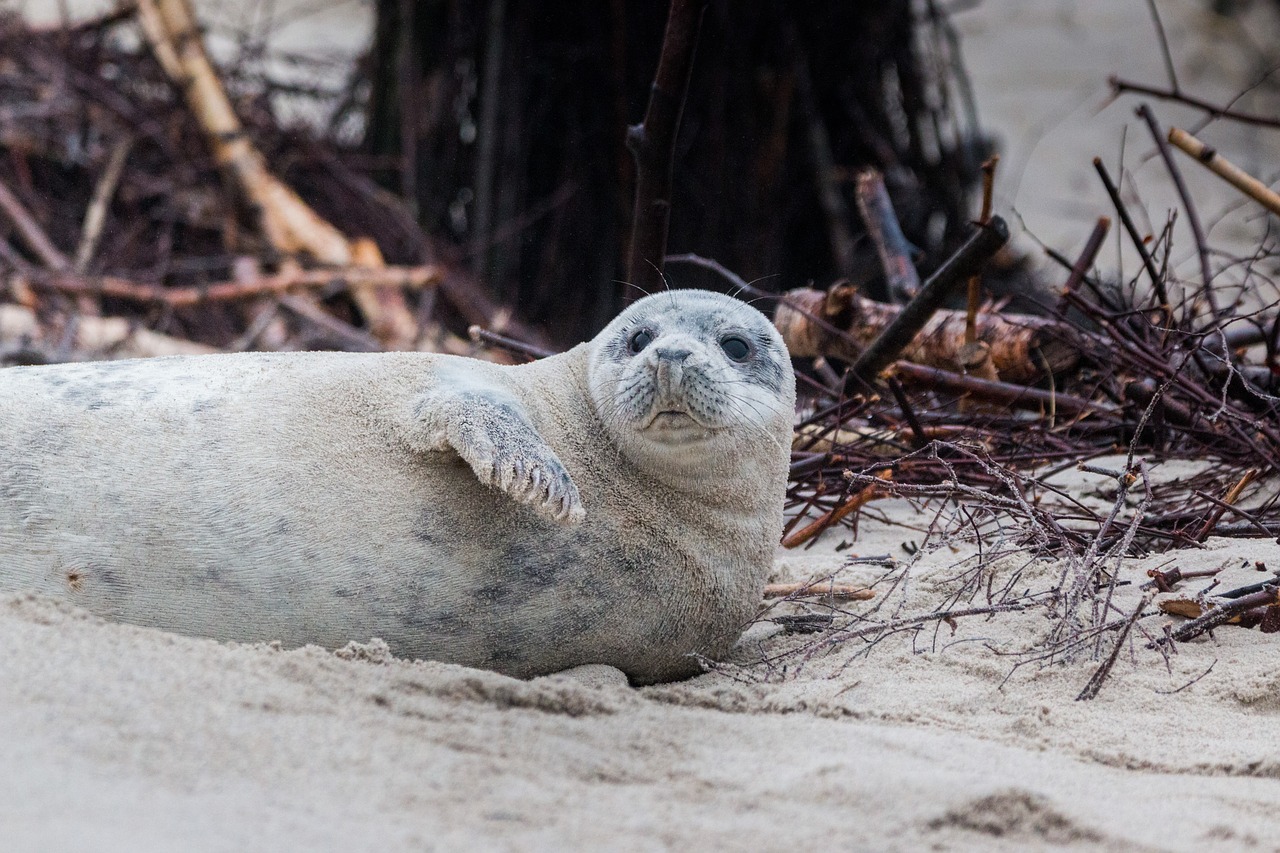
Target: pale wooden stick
819, 588
96, 215
288, 222
30, 231
1225, 169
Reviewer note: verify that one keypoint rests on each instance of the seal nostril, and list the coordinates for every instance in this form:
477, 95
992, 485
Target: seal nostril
671, 354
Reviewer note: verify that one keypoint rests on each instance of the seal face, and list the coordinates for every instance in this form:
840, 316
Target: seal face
616, 504
689, 369
685, 375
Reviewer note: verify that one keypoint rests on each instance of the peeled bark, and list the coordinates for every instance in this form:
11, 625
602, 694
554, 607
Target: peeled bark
841, 323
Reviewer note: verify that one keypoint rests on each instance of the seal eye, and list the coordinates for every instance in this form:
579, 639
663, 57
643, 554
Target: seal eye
735, 347
639, 341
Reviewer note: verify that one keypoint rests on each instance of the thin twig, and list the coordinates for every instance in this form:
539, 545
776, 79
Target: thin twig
1119, 86
1164, 45
1188, 204
1100, 675
912, 621
1157, 281
718, 268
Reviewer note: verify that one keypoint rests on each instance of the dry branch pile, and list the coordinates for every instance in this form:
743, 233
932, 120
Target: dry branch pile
148, 207
1153, 368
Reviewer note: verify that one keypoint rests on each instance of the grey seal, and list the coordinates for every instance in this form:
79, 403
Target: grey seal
618, 503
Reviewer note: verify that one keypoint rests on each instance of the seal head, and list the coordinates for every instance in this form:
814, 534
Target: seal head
686, 376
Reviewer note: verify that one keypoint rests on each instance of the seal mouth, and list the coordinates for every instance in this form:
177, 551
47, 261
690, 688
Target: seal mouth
672, 419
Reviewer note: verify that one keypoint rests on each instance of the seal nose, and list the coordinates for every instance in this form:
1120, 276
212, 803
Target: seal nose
670, 369
672, 354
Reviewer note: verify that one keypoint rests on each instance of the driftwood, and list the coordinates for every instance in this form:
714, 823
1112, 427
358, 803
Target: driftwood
966, 261
105, 337
841, 324
1246, 611
287, 222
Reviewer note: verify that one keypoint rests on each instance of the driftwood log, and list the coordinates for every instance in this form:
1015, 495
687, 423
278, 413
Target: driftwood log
840, 323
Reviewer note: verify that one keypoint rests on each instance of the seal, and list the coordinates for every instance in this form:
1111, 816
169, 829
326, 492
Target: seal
615, 504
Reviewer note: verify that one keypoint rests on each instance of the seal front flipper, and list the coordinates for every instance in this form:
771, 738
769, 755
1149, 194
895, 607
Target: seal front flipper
488, 427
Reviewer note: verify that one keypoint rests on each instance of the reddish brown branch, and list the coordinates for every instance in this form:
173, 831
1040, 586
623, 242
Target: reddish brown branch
854, 502
185, 297
1017, 396
1232, 495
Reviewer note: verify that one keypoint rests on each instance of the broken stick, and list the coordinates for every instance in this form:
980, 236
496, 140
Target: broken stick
1225, 169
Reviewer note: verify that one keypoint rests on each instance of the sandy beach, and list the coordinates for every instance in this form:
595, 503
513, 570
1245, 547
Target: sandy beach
949, 736
123, 738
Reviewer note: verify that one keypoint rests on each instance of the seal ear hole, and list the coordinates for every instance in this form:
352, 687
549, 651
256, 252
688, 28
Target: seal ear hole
639, 339
735, 347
